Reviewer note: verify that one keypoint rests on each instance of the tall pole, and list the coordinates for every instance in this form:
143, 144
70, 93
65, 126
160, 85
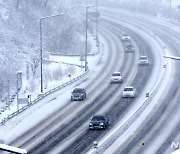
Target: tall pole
41, 54
86, 42
41, 45
17, 93
87, 7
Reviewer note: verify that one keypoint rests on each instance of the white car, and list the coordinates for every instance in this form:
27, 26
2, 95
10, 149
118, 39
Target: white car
129, 92
126, 38
116, 77
143, 60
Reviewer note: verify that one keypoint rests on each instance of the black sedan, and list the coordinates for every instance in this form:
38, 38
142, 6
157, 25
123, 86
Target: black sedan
99, 122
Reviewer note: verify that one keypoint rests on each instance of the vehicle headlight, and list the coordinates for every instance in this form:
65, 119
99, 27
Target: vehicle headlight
101, 123
90, 123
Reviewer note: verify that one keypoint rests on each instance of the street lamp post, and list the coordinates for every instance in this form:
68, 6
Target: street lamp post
87, 7
86, 43
41, 54
42, 18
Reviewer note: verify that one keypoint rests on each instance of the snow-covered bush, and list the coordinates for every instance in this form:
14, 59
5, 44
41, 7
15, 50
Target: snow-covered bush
57, 74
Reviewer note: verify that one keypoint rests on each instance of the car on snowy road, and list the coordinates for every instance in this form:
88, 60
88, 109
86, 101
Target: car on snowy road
129, 48
78, 94
126, 38
116, 77
143, 60
129, 92
99, 122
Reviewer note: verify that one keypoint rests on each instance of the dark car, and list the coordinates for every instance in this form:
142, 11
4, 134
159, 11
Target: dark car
78, 94
129, 48
99, 122
143, 60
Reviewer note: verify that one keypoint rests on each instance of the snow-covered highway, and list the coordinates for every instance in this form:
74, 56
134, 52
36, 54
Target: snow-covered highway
137, 125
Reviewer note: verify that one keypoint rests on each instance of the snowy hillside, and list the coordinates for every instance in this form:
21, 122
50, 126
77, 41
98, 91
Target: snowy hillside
20, 34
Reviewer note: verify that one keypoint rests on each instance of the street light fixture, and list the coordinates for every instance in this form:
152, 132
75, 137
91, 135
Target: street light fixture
42, 18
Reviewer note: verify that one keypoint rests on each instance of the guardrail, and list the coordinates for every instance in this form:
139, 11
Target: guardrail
71, 55
40, 98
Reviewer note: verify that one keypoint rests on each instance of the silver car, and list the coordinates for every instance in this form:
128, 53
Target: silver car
143, 60
116, 77
129, 92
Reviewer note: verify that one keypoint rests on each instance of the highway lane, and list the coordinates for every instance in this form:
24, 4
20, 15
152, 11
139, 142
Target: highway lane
172, 93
